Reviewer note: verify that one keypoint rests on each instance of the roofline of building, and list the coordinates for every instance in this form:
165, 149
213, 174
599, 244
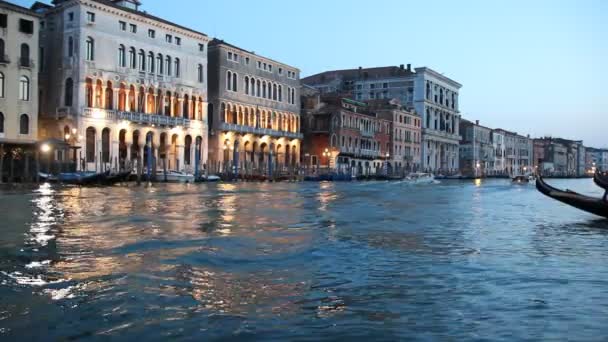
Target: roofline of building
438, 75
220, 42
18, 8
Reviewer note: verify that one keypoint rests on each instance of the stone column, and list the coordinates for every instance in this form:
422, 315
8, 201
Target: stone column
179, 163
94, 94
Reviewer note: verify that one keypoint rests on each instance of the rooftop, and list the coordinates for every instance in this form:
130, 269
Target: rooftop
17, 8
218, 42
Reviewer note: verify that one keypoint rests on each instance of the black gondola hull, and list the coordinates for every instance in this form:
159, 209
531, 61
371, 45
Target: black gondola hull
601, 180
589, 204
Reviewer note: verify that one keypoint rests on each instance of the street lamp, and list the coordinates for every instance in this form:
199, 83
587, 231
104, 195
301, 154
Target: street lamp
387, 155
327, 154
45, 148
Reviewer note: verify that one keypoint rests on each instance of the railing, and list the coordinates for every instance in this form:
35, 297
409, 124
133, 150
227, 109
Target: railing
4, 59
26, 62
63, 112
367, 134
260, 131
141, 118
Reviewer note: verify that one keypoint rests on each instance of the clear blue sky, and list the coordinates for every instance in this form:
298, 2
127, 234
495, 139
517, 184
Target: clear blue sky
536, 67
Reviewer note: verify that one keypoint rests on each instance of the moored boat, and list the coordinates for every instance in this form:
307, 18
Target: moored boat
208, 178
521, 180
589, 204
174, 177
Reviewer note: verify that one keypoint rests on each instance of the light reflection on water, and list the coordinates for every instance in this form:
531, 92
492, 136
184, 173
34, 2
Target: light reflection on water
319, 260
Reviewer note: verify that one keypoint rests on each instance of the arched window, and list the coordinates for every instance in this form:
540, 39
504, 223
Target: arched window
252, 87
280, 93
122, 56
150, 62
2, 50
109, 95
1, 124
168, 65
90, 145
274, 92
24, 88
264, 89
1, 85
70, 46
229, 80
90, 49
187, 148
234, 82
257, 88
69, 92
159, 64
25, 55
105, 145
246, 85
132, 58
200, 70
24, 124
141, 60
177, 67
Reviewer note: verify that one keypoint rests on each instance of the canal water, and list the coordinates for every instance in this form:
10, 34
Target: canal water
302, 261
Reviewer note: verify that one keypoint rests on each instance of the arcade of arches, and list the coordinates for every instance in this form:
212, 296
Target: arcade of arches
255, 151
249, 116
137, 98
117, 146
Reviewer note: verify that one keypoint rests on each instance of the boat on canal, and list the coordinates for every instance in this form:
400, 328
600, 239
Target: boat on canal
420, 178
596, 206
601, 180
173, 176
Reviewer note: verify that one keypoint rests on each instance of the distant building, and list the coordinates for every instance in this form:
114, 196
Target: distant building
405, 135
516, 152
432, 95
477, 153
117, 79
255, 108
344, 134
19, 66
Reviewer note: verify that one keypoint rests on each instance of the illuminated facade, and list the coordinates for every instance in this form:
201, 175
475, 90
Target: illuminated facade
120, 79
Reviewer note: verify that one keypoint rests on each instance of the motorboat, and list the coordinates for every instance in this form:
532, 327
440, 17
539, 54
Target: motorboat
589, 204
174, 177
208, 178
520, 180
420, 178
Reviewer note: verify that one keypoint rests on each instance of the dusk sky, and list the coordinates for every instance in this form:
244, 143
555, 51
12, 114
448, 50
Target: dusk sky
534, 67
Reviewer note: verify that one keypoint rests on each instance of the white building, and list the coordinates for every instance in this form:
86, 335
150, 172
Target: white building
436, 100
18, 75
118, 78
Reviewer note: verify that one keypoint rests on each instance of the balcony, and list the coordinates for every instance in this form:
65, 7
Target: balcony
367, 134
259, 131
139, 118
26, 62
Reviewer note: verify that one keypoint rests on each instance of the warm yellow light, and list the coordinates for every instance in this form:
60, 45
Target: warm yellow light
67, 136
45, 148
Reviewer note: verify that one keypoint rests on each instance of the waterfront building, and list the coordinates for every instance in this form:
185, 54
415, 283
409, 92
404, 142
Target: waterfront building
254, 111
117, 79
477, 154
500, 152
518, 152
432, 95
405, 135
344, 134
19, 65
561, 157
596, 159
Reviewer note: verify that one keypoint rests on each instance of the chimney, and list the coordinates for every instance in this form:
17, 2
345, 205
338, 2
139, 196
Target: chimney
409, 67
401, 66
476, 122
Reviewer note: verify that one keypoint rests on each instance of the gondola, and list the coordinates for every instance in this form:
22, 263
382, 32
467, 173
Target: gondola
114, 178
589, 204
601, 180
82, 178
